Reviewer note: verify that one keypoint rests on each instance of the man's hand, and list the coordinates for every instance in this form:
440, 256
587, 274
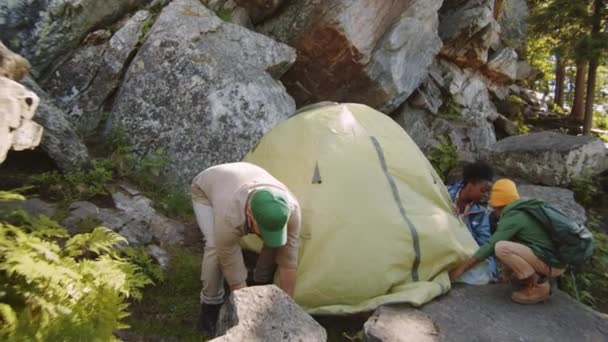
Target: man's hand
287, 280
455, 274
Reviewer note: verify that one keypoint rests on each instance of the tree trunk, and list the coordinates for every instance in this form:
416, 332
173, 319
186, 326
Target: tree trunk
578, 105
560, 76
593, 64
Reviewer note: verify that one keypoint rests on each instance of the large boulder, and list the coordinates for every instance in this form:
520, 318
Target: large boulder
512, 20
468, 30
379, 63
18, 131
45, 31
452, 102
12, 65
548, 158
265, 313
83, 84
486, 313
202, 89
59, 140
563, 199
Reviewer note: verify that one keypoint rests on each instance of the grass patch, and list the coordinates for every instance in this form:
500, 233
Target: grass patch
589, 284
170, 309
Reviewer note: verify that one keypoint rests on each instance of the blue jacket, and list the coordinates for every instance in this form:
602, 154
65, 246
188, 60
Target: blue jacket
477, 221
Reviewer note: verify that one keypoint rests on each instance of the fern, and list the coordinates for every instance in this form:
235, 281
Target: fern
100, 240
77, 293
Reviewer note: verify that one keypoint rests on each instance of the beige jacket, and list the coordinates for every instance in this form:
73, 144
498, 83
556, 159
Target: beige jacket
226, 189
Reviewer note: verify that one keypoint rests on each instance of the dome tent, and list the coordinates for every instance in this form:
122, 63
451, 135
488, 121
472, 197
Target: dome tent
377, 222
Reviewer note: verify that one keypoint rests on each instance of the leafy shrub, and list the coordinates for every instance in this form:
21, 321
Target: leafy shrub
74, 185
585, 191
443, 157
600, 121
589, 284
74, 293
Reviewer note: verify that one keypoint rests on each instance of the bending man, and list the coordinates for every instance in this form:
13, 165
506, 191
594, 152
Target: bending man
230, 201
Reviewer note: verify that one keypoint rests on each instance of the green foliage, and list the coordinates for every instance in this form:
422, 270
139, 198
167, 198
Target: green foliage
170, 309
556, 109
443, 157
140, 257
225, 14
76, 293
145, 173
585, 191
145, 29
604, 137
121, 163
74, 185
600, 121
450, 109
589, 284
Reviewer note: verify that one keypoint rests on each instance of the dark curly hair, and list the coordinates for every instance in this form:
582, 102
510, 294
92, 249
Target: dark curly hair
477, 171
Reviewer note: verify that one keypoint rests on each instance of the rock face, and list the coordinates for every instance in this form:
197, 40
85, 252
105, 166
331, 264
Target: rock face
561, 198
59, 139
512, 20
265, 313
45, 31
18, 131
83, 84
12, 65
502, 66
486, 313
452, 102
548, 158
400, 324
468, 30
202, 89
379, 65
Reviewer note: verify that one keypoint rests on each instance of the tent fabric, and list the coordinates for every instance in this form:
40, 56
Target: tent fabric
377, 222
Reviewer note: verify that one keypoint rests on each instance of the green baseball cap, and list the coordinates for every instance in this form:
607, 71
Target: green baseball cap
271, 213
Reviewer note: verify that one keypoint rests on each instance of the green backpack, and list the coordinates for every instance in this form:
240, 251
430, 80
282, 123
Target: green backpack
573, 241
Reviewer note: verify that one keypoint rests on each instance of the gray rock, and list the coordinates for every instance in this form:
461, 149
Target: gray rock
505, 127
45, 31
59, 140
266, 313
502, 66
486, 313
160, 255
32, 206
84, 83
79, 211
379, 64
202, 89
468, 30
548, 158
124, 223
513, 23
401, 59
526, 72
394, 324
563, 199
166, 231
452, 102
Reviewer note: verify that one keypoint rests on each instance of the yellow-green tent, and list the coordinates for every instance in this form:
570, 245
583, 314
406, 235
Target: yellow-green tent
377, 222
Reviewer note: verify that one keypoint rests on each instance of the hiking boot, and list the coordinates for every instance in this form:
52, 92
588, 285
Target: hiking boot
207, 319
532, 293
